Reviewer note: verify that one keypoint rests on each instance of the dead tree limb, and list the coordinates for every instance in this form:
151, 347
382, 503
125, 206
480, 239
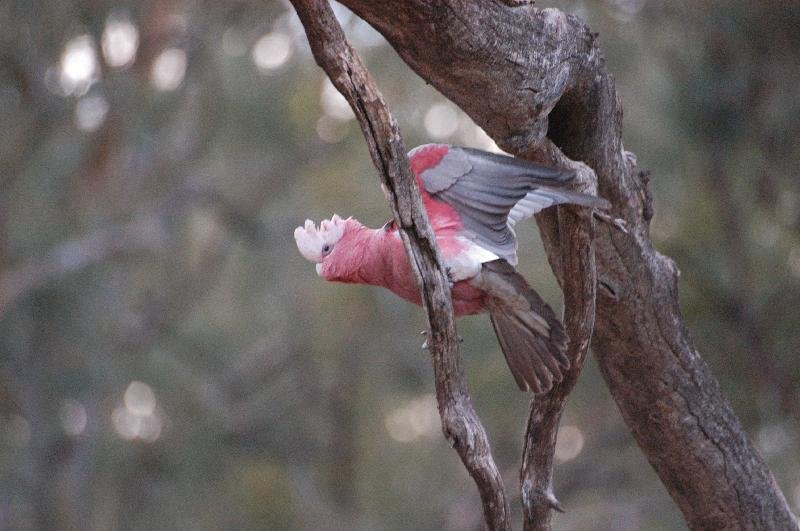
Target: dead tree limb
527, 75
574, 259
460, 422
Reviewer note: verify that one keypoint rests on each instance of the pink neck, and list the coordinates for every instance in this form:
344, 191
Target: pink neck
362, 257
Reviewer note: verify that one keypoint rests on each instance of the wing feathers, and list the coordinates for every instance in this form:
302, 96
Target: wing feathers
533, 340
492, 192
506, 165
540, 198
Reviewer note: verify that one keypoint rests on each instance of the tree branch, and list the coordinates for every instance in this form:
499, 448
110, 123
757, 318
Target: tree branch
141, 235
572, 258
460, 422
524, 74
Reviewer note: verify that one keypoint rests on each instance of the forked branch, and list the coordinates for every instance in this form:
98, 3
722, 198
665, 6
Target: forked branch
530, 77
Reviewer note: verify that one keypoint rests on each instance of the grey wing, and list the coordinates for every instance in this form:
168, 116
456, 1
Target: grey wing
486, 188
493, 169
540, 198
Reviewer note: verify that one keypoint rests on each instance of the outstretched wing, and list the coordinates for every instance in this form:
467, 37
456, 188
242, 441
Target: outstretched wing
493, 192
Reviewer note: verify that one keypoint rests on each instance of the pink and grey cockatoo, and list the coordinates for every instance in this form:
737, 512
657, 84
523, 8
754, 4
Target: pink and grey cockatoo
474, 200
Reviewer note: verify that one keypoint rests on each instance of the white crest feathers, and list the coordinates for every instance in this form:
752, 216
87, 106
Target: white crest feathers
311, 240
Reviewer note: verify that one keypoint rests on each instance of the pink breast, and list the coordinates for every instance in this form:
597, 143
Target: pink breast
467, 299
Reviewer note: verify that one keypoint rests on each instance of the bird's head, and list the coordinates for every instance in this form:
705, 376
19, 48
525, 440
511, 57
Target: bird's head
319, 244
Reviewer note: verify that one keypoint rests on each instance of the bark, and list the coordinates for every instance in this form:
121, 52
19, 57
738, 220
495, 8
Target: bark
530, 77
460, 422
573, 231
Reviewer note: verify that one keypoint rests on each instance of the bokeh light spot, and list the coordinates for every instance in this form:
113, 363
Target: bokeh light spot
150, 428
441, 121
78, 66
126, 424
772, 439
569, 443
137, 417
120, 41
140, 399
169, 69
90, 113
415, 419
625, 10
331, 130
333, 103
272, 51
73, 417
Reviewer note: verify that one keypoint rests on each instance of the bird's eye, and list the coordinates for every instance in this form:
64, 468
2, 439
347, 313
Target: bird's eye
326, 248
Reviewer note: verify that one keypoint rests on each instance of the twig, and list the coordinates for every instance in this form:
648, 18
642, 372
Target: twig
460, 422
141, 235
147, 232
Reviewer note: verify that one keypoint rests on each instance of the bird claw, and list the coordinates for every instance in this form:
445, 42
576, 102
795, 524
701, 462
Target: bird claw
618, 223
449, 272
425, 343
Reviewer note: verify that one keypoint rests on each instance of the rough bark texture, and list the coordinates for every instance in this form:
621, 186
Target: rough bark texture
529, 76
572, 230
460, 422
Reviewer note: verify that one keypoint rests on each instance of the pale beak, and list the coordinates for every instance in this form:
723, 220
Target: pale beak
319, 268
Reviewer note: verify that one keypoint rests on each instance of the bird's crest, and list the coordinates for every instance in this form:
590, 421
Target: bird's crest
314, 243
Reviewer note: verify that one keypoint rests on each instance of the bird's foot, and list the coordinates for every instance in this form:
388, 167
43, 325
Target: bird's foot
617, 223
425, 343
449, 272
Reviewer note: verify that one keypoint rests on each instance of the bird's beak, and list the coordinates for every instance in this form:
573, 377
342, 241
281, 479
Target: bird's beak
319, 268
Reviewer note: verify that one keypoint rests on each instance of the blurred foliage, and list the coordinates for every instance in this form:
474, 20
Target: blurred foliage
168, 360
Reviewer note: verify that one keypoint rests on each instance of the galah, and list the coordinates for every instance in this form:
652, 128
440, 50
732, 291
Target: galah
474, 200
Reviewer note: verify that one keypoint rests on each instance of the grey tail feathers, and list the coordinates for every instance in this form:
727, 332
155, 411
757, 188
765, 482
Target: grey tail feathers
532, 338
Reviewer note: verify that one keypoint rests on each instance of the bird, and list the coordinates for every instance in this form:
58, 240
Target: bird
474, 200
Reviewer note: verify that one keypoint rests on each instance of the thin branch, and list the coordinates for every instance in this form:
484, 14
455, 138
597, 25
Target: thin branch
460, 422
571, 243
147, 232
141, 235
